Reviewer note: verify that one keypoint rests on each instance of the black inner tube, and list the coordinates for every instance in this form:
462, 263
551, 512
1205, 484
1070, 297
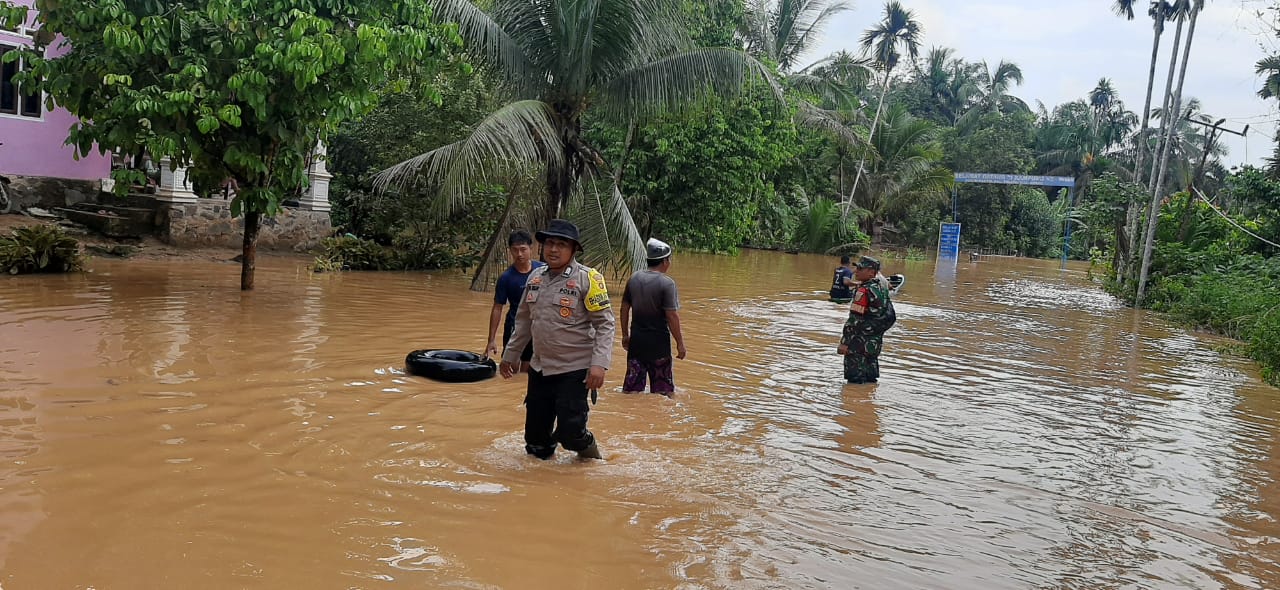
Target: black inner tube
452, 366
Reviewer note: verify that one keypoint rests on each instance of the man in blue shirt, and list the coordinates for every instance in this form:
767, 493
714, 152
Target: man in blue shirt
841, 284
509, 289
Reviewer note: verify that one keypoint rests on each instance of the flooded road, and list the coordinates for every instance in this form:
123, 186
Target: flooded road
159, 429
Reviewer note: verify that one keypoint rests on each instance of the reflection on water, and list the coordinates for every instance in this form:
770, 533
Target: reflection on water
158, 428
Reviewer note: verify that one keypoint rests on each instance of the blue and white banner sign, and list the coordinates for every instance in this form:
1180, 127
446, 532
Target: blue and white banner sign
949, 241
1027, 179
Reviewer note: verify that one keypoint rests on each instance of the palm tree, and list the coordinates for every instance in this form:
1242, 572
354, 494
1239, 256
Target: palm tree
1193, 7
1270, 66
899, 29
558, 59
1188, 142
903, 168
993, 92
1159, 12
783, 31
950, 81
1080, 137
1177, 10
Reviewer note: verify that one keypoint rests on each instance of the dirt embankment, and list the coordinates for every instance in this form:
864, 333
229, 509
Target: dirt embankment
148, 248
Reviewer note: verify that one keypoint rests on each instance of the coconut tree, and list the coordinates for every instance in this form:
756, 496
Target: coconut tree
559, 60
885, 42
902, 168
783, 31
1191, 13
993, 92
1188, 142
951, 82
1080, 137
1270, 67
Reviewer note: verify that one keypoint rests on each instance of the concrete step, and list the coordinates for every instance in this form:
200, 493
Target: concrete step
110, 224
138, 214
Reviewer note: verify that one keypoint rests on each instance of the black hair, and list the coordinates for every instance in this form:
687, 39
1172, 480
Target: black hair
656, 262
844, 259
519, 237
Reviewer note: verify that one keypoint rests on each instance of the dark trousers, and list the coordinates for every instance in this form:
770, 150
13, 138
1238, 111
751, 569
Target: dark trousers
556, 412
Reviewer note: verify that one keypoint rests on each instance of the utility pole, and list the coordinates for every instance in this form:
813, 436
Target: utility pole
1215, 131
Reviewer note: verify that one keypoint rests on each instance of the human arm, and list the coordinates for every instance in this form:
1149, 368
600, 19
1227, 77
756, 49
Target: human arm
521, 334
671, 307
626, 325
495, 318
600, 314
673, 321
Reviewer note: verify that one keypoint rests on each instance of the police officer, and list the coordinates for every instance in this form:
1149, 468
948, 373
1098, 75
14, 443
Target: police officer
567, 315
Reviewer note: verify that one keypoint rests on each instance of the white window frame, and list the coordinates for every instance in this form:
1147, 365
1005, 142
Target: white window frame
24, 32
22, 98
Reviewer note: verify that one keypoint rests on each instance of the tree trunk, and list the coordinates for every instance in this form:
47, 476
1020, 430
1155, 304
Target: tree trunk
249, 254
862, 162
1146, 105
478, 280
1165, 108
1153, 215
1135, 241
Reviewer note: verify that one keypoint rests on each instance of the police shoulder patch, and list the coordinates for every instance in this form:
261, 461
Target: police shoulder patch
597, 293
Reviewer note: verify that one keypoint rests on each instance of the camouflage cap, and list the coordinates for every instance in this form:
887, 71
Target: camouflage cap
868, 262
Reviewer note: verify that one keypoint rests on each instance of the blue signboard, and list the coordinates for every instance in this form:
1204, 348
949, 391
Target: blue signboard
1027, 179
949, 241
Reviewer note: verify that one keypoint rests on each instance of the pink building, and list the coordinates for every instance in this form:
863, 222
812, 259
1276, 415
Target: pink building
34, 137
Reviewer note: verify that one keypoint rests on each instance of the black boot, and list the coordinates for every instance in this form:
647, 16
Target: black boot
591, 452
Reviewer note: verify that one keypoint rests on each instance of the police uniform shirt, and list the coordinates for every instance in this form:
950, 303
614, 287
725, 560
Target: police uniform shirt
569, 318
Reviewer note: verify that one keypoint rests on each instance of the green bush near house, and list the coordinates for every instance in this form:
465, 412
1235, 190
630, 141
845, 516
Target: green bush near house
409, 251
39, 249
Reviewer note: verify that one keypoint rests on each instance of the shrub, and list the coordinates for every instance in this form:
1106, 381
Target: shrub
409, 251
351, 253
40, 248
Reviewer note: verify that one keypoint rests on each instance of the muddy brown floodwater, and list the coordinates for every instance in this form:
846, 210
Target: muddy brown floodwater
159, 429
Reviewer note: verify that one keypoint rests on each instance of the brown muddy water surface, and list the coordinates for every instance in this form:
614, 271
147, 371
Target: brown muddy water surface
158, 429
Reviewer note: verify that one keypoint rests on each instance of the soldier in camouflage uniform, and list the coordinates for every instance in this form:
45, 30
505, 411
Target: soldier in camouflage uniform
870, 315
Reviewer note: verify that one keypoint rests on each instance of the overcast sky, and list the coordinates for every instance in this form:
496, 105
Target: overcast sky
1063, 49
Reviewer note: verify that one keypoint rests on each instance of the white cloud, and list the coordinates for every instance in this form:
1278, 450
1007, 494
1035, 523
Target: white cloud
1063, 53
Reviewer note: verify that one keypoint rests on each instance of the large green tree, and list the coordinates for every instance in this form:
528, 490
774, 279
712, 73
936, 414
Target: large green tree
238, 89
559, 61
700, 177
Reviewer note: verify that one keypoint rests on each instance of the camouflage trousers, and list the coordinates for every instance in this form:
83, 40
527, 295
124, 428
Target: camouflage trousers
862, 363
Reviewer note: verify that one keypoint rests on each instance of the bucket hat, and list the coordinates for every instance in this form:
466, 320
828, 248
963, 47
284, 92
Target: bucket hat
560, 228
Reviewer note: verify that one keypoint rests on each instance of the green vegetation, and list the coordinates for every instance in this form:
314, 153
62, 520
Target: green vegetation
237, 89
39, 249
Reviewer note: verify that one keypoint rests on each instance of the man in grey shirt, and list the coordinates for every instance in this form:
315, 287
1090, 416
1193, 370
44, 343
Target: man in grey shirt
567, 315
652, 296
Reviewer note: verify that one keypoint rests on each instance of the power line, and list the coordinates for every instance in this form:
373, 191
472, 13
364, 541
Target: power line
1232, 221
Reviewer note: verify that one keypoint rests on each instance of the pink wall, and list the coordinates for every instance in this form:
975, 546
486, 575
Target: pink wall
34, 147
